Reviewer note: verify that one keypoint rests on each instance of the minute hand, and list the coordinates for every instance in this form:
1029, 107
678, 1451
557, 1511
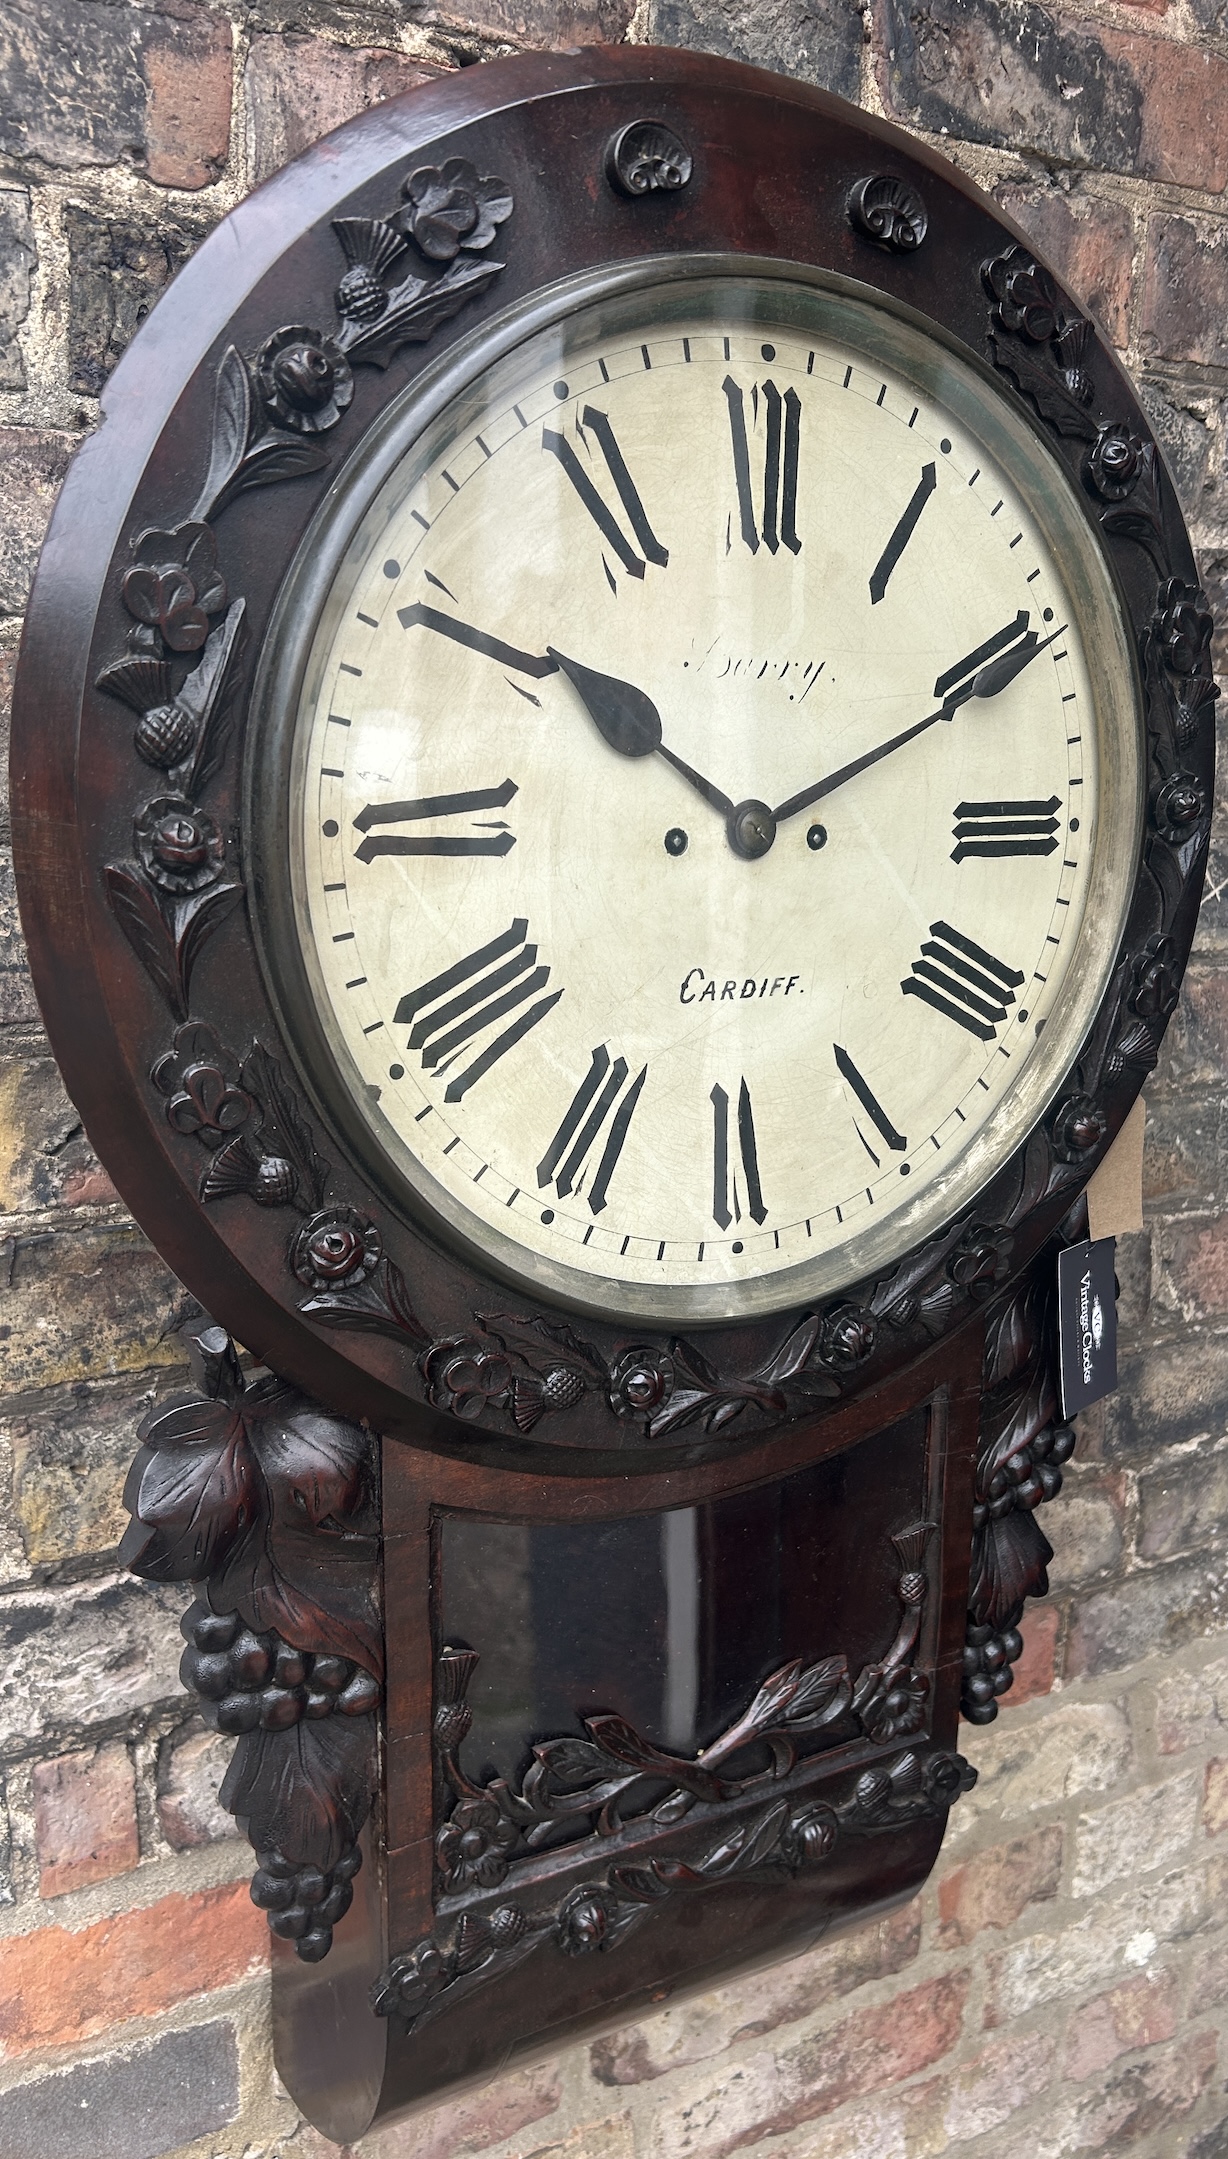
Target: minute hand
987, 683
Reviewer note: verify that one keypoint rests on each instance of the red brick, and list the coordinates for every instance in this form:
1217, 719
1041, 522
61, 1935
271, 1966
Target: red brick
749, 2009
994, 73
84, 1819
189, 1774
1139, 2013
299, 88
995, 1887
1185, 290
1215, 1798
1089, 243
767, 2094
1208, 1973
187, 61
57, 1987
1009, 2074
1034, 1671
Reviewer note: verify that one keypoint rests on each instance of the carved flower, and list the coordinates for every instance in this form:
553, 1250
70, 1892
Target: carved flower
413, 1979
1025, 296
1182, 626
305, 379
584, 1920
1178, 806
453, 1671
872, 1791
980, 1259
507, 1924
200, 1080
641, 1381
1079, 1126
809, 1835
898, 1708
946, 1776
846, 1337
180, 847
474, 1844
1115, 463
454, 206
335, 1248
175, 585
463, 1374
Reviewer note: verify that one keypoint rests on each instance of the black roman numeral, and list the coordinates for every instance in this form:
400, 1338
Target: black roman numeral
781, 421
490, 983
607, 524
873, 1108
1005, 828
492, 838
963, 981
602, 1095
726, 1198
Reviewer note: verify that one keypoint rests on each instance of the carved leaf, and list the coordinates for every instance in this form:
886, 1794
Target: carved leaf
572, 1763
551, 1330
414, 312
206, 697
284, 1130
823, 1693
685, 1405
696, 1365
378, 1305
304, 1792
277, 457
1009, 1559
637, 1882
792, 1354
1041, 381
623, 1742
191, 1491
311, 1575
197, 915
135, 907
232, 406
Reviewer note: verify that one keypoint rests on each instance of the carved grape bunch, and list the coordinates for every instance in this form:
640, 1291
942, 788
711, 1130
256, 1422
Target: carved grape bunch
249, 1680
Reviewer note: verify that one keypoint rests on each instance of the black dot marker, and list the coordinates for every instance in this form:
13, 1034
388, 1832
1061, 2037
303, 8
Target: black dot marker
396, 1071
768, 351
561, 391
676, 841
1074, 824
816, 838
945, 447
330, 828
737, 1248
391, 568
1048, 614
547, 1216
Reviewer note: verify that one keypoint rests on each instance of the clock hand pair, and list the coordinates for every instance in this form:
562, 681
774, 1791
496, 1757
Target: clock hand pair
989, 681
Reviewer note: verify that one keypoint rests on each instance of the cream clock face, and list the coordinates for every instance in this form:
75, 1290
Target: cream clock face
711, 801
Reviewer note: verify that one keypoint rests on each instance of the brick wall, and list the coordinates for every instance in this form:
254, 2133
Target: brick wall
1061, 1985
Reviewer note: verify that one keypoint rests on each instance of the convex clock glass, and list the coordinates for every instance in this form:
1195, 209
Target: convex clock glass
713, 762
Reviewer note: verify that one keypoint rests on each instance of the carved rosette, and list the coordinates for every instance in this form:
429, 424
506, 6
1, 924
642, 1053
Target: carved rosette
268, 1506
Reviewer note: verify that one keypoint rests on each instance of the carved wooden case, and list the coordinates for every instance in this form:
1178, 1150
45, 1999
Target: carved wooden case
669, 1628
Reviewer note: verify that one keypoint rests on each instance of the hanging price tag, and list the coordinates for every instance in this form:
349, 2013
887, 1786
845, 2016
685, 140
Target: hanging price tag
1087, 1322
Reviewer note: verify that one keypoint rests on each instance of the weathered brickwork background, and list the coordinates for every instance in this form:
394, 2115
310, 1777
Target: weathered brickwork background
1062, 1986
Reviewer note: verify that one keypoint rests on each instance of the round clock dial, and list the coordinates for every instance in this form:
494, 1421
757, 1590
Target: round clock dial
712, 795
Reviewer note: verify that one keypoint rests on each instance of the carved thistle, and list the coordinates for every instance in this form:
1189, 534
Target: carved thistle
268, 1505
747, 1805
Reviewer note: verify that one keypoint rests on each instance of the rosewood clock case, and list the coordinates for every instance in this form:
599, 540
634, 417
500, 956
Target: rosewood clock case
726, 1747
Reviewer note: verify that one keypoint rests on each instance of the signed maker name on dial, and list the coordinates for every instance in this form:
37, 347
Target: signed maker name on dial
706, 635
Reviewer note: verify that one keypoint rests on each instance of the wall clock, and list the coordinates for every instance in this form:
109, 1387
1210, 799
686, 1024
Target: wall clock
612, 771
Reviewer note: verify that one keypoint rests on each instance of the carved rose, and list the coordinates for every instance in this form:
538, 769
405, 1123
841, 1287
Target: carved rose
1025, 296
1178, 806
980, 1259
474, 1844
1079, 1126
463, 1374
1183, 626
947, 1775
846, 1337
809, 1836
584, 1921
175, 585
454, 206
335, 1248
641, 1380
1116, 462
418, 1976
180, 847
200, 1080
898, 1709
305, 379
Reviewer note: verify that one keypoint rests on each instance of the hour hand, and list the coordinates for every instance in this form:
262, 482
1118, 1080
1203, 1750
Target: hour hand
630, 722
